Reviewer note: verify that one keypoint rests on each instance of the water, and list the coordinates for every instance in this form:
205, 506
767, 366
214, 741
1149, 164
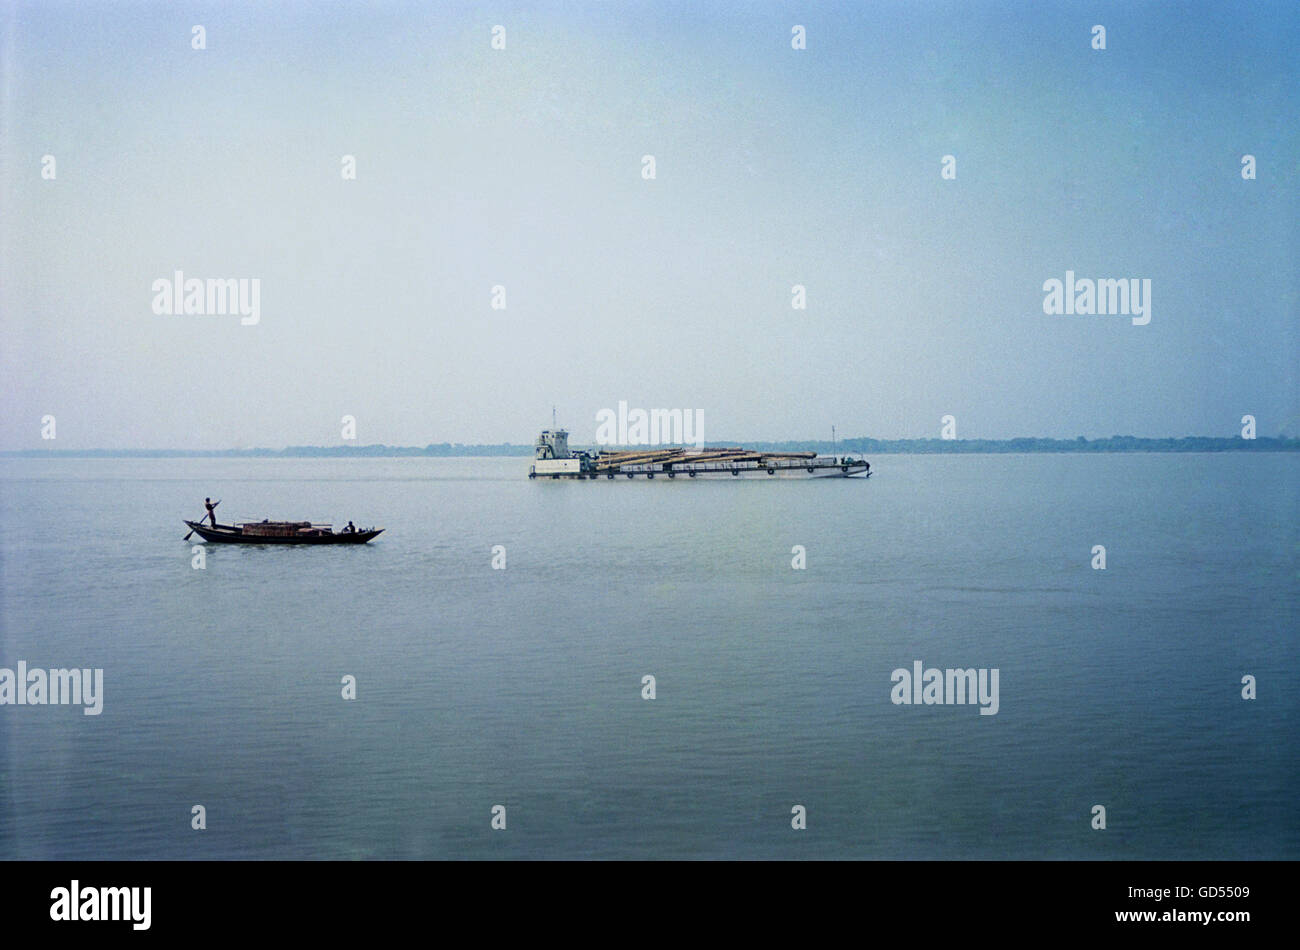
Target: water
522, 687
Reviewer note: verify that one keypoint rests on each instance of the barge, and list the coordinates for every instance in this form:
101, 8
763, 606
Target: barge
554, 459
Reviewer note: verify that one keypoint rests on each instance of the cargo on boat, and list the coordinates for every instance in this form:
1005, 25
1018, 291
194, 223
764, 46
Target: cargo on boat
281, 532
553, 459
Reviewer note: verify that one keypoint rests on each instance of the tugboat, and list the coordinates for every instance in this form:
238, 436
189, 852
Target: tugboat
553, 459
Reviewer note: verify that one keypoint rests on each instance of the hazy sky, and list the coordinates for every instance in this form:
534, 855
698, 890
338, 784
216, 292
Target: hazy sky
522, 167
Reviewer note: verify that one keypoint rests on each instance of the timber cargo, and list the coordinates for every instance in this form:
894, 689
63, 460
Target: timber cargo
554, 459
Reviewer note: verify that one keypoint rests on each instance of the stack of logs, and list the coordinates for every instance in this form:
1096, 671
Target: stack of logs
606, 461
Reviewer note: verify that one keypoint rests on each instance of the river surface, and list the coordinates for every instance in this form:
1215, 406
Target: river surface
523, 686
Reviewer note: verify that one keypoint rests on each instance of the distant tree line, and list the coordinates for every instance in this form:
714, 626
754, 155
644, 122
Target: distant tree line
1115, 443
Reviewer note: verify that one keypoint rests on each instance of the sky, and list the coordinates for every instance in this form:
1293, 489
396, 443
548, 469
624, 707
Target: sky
523, 168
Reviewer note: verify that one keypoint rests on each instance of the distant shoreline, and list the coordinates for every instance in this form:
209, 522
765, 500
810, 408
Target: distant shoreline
1121, 443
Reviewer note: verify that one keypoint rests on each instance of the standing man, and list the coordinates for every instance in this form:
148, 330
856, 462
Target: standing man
209, 504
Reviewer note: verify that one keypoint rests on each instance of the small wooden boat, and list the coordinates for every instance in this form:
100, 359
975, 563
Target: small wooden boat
280, 532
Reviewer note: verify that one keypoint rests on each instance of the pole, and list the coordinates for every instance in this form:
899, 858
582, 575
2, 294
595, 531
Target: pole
205, 514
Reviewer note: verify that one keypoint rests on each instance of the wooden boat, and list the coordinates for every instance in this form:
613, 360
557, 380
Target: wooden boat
280, 532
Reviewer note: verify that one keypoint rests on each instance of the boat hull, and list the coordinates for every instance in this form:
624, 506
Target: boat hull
223, 534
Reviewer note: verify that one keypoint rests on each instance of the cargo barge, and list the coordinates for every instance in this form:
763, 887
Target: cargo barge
553, 459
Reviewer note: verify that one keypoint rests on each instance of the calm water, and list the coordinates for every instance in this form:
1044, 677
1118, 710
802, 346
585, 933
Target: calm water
522, 687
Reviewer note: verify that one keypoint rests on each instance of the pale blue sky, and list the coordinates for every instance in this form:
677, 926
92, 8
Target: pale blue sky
522, 168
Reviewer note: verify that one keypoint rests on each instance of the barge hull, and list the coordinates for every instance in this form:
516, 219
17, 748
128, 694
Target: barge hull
744, 473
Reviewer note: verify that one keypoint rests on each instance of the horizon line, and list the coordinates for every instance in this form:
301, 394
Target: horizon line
1031, 443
